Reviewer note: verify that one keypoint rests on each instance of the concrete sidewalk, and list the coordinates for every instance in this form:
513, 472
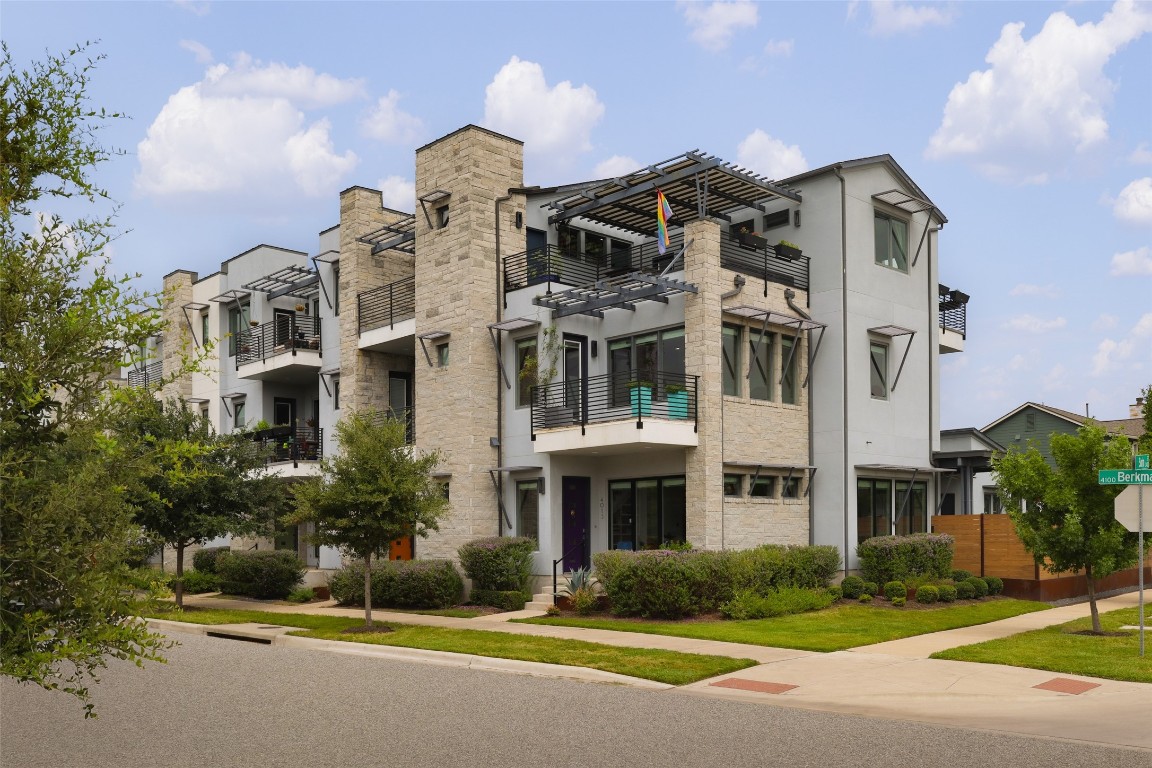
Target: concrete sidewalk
893, 680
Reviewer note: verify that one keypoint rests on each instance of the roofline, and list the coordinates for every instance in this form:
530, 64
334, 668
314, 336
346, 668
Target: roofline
977, 433
1039, 406
470, 126
884, 159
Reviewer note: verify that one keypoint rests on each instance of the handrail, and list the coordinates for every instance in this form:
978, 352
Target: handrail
406, 414
284, 335
293, 444
583, 543
620, 396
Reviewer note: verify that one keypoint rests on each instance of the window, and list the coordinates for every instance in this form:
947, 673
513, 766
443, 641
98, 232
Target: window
790, 488
645, 513
336, 291
730, 344
644, 358
238, 318
911, 508
733, 485
335, 393
446, 489
568, 241
993, 505
204, 413
528, 509
763, 488
595, 248
891, 242
204, 327
878, 354
527, 360
238, 414
760, 352
442, 217
873, 508
788, 361
442, 355
1030, 420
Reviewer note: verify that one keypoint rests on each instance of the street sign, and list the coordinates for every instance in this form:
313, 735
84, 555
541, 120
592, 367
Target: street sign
1125, 477
1141, 461
1127, 507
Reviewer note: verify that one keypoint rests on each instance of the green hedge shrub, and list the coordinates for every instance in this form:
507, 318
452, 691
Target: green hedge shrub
897, 558
204, 560
961, 575
505, 600
871, 588
301, 594
979, 586
899, 601
927, 594
964, 590
400, 584
995, 584
499, 563
947, 593
853, 587
835, 593
748, 604
265, 575
895, 589
198, 582
865, 598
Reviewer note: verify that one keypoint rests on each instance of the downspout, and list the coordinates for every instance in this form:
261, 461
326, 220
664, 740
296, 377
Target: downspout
844, 344
499, 352
789, 295
738, 281
933, 292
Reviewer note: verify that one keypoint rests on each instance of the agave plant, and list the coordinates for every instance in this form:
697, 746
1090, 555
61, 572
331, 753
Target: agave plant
581, 578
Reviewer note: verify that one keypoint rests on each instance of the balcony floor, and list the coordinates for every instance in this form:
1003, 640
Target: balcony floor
399, 339
302, 366
617, 437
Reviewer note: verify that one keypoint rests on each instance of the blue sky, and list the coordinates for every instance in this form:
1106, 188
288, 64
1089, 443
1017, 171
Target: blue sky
1029, 124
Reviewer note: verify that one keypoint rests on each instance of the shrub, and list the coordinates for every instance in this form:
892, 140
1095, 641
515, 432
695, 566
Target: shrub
505, 600
979, 587
927, 594
896, 558
835, 593
895, 589
748, 604
964, 590
661, 584
865, 598
677, 546
197, 582
264, 575
899, 601
552, 610
499, 563
809, 567
204, 560
853, 587
871, 588
583, 600
609, 563
947, 593
961, 575
995, 584
301, 594
400, 584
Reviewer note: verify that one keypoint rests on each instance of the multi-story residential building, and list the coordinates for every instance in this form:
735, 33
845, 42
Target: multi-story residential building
770, 376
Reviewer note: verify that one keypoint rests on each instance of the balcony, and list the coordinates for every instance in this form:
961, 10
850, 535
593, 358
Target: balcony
284, 445
148, 376
614, 414
407, 415
953, 311
386, 317
287, 348
763, 263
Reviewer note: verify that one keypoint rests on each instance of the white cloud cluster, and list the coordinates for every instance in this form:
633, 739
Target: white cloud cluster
1049, 291
240, 134
769, 156
1110, 353
1137, 263
617, 165
1033, 324
1134, 204
892, 18
387, 122
398, 193
713, 24
555, 122
779, 48
199, 50
1142, 155
1041, 99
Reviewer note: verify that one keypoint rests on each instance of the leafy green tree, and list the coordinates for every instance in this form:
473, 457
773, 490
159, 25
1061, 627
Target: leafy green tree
377, 489
1064, 517
196, 484
66, 601
1144, 444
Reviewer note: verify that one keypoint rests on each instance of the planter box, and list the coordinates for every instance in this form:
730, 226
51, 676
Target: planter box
641, 400
788, 252
678, 405
748, 240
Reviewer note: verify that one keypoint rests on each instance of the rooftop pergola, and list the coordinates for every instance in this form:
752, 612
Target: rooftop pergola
399, 235
298, 282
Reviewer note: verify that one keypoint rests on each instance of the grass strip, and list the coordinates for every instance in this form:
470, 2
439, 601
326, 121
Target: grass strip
833, 629
662, 666
452, 613
1057, 649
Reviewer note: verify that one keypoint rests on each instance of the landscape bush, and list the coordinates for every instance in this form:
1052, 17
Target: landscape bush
897, 558
853, 587
748, 604
835, 593
865, 598
964, 590
505, 600
979, 586
895, 589
947, 593
995, 584
899, 601
871, 588
400, 584
198, 582
499, 563
301, 595
961, 575
264, 575
927, 594
204, 560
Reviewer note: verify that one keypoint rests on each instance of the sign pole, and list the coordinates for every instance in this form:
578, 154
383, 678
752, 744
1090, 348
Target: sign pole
1140, 544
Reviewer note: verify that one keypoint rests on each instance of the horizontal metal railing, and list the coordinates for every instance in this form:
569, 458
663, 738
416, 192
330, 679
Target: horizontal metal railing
624, 396
407, 415
148, 376
954, 317
291, 443
284, 335
763, 263
386, 305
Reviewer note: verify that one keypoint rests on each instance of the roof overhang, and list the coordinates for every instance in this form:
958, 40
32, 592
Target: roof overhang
298, 282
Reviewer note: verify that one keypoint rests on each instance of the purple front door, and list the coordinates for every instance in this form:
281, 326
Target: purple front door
576, 503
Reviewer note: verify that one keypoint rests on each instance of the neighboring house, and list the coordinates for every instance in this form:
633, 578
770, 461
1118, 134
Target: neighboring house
587, 389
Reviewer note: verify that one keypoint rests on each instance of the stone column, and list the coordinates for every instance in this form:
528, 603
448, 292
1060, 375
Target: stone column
179, 346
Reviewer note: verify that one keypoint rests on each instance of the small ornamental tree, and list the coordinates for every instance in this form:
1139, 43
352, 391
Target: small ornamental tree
1064, 517
375, 490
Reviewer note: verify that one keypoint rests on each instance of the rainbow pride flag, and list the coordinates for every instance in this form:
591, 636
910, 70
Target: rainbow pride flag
663, 213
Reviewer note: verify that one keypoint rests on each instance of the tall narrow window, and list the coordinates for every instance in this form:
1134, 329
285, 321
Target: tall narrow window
891, 242
239, 418
911, 508
730, 347
788, 354
878, 367
760, 354
204, 327
528, 509
237, 321
335, 393
442, 217
527, 367
595, 248
336, 289
873, 508
442, 355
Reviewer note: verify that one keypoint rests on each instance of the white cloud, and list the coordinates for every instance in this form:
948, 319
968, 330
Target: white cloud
555, 123
1141, 155
240, 136
769, 156
1143, 326
714, 24
617, 165
1137, 263
1049, 291
892, 18
1134, 204
1021, 362
1104, 322
398, 193
1041, 100
195, 8
1033, 324
781, 48
199, 50
1109, 354
387, 122
1056, 379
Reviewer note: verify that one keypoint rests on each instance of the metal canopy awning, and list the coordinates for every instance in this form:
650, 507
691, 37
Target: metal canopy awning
233, 296
430, 336
494, 473
197, 400
326, 376
903, 468
434, 196
910, 204
399, 235
771, 317
513, 324
790, 467
290, 281
193, 306
620, 292
696, 186
892, 331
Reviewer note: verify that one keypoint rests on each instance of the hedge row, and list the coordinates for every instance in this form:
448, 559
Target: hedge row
499, 563
400, 584
265, 575
899, 558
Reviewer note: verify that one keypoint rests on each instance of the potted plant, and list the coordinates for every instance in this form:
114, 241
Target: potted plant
677, 395
640, 397
299, 307
254, 323
749, 239
787, 250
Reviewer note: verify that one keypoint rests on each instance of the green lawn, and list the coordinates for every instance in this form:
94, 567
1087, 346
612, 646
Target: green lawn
1057, 650
833, 629
662, 666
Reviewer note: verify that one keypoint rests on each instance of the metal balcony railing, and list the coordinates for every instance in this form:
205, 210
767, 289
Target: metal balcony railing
954, 311
407, 415
284, 335
386, 305
625, 396
763, 263
293, 444
148, 376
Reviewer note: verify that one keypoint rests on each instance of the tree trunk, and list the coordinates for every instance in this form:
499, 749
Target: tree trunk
368, 589
1092, 598
179, 585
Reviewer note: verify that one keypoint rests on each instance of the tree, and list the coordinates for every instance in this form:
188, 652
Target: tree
375, 491
1144, 444
66, 600
196, 484
1064, 517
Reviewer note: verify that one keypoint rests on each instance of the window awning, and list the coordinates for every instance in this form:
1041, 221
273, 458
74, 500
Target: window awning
771, 317
234, 296
778, 467
910, 204
892, 331
431, 336
514, 324
903, 468
494, 473
193, 306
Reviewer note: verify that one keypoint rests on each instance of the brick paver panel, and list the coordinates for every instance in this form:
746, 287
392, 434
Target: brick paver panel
743, 684
1067, 685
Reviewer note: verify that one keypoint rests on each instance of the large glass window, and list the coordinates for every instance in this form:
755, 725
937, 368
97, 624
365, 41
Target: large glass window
891, 242
595, 248
528, 509
790, 365
992, 502
527, 361
238, 318
911, 507
878, 367
760, 352
644, 513
644, 358
873, 508
730, 347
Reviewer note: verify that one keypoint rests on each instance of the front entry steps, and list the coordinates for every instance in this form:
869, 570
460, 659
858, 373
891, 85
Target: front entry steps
540, 602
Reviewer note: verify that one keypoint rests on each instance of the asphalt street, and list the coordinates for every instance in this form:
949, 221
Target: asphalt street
224, 703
